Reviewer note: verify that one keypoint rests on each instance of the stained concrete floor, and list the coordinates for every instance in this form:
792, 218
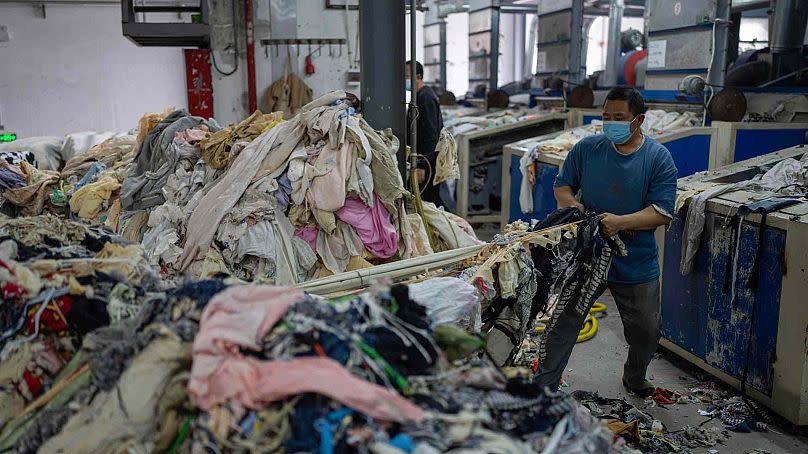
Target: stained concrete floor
597, 365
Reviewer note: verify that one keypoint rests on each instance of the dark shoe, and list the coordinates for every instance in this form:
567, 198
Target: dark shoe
646, 389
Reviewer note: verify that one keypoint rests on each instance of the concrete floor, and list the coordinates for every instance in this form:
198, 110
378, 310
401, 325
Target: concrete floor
597, 365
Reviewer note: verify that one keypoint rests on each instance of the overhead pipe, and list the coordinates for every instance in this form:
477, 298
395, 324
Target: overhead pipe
249, 30
616, 8
720, 40
788, 34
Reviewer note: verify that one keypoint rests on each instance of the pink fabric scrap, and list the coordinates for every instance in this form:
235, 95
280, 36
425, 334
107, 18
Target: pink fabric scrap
240, 317
309, 235
372, 225
190, 136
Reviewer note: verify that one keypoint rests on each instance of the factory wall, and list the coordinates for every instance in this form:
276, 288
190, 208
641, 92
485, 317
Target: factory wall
230, 99
73, 70
289, 19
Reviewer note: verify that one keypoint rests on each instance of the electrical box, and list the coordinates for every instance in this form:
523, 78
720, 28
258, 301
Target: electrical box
675, 14
555, 27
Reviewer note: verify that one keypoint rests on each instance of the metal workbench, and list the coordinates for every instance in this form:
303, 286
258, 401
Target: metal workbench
480, 153
692, 150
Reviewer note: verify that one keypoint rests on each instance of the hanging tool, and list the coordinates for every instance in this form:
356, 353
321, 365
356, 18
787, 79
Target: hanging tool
309, 65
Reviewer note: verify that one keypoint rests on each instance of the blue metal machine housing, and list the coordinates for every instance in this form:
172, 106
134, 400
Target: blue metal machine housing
756, 340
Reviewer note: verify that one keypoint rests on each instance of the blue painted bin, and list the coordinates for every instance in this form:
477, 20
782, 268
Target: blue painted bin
759, 337
698, 312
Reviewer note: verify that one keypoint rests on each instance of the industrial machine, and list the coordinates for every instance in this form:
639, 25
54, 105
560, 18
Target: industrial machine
736, 140
458, 111
740, 314
692, 149
547, 169
480, 159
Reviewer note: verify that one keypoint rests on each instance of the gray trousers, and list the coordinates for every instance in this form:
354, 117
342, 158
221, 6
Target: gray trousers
638, 305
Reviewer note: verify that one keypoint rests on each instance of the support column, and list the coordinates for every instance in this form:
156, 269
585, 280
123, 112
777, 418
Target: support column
733, 41
443, 72
577, 38
518, 48
493, 82
382, 51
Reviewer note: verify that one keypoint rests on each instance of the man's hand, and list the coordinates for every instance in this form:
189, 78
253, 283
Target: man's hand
612, 224
579, 205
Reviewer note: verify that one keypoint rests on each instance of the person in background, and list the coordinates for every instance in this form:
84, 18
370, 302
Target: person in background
631, 179
429, 125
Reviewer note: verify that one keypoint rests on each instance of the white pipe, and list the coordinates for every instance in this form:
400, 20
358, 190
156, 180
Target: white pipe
396, 270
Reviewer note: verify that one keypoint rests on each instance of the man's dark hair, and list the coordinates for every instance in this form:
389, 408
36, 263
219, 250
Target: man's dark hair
419, 68
636, 104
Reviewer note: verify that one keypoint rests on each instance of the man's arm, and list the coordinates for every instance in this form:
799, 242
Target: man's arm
566, 198
568, 180
646, 219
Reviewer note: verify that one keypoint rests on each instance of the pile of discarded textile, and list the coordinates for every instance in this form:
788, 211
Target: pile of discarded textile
457, 111
276, 201
208, 367
51, 153
644, 432
470, 123
86, 186
59, 280
263, 200
660, 121
739, 414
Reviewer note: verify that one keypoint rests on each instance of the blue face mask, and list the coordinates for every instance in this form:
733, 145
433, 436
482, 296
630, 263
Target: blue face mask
619, 132
408, 84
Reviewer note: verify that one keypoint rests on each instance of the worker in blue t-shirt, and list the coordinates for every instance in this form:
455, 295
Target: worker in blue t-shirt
631, 179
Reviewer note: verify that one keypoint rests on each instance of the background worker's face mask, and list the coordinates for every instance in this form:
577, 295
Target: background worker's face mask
408, 84
619, 132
